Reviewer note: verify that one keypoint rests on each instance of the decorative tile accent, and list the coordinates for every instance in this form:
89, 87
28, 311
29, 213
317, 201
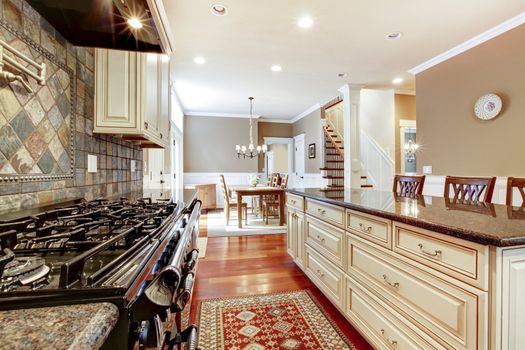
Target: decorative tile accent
45, 149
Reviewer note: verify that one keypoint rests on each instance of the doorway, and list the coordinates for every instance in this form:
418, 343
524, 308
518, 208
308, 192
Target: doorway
279, 157
299, 153
408, 133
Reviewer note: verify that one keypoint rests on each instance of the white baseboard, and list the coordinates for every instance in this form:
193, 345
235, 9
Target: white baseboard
435, 186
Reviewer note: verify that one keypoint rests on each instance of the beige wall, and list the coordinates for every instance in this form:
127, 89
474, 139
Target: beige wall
311, 127
266, 129
405, 108
209, 144
452, 139
280, 157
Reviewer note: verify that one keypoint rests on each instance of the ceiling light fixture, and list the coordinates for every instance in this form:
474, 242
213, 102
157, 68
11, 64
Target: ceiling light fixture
342, 75
393, 36
397, 81
305, 22
252, 151
276, 68
199, 60
219, 10
135, 23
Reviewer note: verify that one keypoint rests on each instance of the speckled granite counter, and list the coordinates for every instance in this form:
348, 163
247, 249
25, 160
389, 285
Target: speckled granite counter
491, 224
75, 327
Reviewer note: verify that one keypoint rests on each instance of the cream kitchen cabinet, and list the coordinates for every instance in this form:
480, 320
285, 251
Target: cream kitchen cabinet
132, 96
295, 237
408, 286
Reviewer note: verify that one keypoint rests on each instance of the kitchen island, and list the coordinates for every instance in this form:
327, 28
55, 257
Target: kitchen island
414, 272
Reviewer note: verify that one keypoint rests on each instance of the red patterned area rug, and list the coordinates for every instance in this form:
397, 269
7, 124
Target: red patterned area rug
290, 321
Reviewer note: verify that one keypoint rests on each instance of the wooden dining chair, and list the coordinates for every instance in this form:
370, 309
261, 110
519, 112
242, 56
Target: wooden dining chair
475, 189
271, 204
230, 203
408, 185
515, 183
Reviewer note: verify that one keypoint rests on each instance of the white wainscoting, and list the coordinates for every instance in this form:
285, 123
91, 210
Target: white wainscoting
376, 164
311, 180
435, 185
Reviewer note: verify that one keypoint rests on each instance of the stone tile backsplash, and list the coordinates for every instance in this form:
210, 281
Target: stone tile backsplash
36, 126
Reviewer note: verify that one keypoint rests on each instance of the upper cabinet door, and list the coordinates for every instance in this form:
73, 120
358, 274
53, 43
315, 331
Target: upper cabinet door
164, 99
116, 89
150, 93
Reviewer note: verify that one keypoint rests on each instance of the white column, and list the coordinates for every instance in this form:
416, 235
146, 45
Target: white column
352, 160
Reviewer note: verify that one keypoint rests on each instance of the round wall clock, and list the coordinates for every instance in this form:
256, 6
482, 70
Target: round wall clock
488, 106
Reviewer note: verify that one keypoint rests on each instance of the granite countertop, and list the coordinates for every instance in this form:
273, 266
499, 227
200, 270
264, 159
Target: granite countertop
491, 224
75, 327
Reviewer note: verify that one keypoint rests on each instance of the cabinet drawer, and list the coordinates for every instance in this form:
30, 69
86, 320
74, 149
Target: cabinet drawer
455, 315
327, 239
325, 275
464, 260
329, 213
295, 201
374, 229
384, 329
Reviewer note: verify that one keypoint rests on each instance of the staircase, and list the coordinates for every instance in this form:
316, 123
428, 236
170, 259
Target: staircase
333, 169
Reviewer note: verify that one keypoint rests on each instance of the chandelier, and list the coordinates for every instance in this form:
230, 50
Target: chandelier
410, 150
251, 151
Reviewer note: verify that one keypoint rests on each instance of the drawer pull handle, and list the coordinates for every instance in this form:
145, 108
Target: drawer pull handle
320, 239
293, 201
393, 285
435, 255
365, 229
392, 343
320, 273
322, 211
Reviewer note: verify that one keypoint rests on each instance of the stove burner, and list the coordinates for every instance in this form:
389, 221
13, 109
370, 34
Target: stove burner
23, 271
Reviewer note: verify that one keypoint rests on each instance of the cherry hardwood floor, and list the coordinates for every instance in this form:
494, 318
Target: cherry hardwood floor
249, 265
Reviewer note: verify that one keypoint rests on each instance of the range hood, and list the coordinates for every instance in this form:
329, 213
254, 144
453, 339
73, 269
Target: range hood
103, 23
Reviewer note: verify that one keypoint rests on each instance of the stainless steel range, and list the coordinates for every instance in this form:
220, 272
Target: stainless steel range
140, 255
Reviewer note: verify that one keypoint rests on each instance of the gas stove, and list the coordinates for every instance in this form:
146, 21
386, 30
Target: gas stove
118, 251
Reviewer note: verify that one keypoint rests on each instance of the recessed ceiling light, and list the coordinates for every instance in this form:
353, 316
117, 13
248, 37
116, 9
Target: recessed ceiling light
342, 75
393, 36
305, 22
199, 60
397, 81
135, 23
276, 68
219, 10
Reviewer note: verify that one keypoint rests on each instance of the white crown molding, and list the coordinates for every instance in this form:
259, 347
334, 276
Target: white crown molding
219, 115
305, 113
268, 120
405, 92
467, 45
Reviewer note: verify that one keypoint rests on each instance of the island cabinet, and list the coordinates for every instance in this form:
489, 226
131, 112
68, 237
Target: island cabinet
132, 96
406, 287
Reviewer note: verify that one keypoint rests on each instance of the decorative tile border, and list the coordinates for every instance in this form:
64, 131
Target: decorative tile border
15, 178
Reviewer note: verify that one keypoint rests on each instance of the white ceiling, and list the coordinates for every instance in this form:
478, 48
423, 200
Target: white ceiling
347, 36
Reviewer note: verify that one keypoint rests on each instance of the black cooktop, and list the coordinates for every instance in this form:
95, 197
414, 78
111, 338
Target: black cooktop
95, 244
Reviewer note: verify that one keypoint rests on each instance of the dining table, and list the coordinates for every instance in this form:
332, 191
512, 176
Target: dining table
247, 190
